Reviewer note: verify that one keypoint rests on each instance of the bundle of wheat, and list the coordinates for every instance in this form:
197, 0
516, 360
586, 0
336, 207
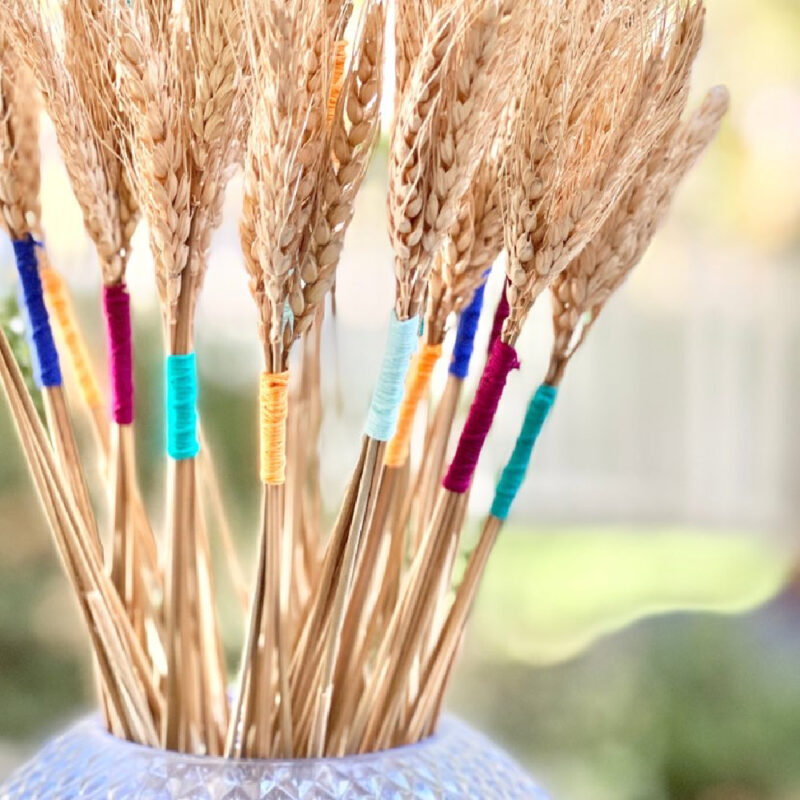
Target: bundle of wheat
551, 130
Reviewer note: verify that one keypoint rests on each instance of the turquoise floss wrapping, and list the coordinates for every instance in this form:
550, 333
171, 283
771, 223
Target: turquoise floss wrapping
382, 417
514, 473
181, 386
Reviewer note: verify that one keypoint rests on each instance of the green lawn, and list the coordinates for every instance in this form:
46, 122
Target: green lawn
548, 594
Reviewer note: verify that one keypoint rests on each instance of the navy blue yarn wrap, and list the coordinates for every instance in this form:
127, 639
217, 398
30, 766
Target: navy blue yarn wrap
48, 369
465, 334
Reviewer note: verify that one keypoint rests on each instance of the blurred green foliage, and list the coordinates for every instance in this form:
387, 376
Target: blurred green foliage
14, 328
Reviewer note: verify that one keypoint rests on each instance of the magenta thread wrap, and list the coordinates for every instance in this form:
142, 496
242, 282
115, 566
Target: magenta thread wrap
117, 311
44, 353
500, 314
502, 360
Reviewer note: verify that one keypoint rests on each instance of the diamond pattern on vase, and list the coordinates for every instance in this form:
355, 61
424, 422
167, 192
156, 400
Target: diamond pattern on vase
86, 763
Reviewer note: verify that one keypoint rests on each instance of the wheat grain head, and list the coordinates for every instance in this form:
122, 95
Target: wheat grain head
354, 131
180, 86
291, 48
628, 66
471, 247
580, 293
37, 36
15, 178
449, 115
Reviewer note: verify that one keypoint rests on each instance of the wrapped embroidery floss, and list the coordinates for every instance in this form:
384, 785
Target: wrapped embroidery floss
476, 243
290, 280
579, 294
609, 50
77, 86
180, 179
19, 212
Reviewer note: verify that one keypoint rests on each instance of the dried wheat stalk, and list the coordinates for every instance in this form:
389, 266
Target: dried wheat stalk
20, 215
134, 703
579, 294
178, 86
38, 34
410, 151
301, 176
80, 71
472, 246
589, 106
447, 115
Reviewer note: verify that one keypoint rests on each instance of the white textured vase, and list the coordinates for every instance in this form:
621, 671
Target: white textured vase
87, 763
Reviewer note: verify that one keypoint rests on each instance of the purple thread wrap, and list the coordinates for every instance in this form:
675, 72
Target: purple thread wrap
117, 311
502, 359
500, 314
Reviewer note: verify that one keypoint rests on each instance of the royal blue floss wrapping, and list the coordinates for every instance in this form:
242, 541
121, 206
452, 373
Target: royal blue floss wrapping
45, 358
465, 334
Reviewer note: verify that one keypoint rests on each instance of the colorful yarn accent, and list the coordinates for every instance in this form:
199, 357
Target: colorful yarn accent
500, 314
63, 316
514, 473
382, 416
26, 324
117, 311
502, 359
465, 335
181, 385
419, 377
274, 407
48, 368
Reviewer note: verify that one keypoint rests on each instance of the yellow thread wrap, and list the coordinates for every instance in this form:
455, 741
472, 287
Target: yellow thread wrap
66, 325
419, 376
274, 402
337, 79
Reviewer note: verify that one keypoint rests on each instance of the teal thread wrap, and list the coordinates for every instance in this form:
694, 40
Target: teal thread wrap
514, 473
382, 417
181, 385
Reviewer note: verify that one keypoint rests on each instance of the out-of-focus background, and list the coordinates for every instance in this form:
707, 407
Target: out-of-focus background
638, 635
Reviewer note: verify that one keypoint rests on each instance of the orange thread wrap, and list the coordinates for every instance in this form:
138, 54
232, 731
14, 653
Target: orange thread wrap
274, 402
337, 79
61, 311
419, 377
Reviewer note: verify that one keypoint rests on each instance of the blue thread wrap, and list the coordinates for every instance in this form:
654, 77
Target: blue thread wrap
26, 324
514, 472
465, 335
47, 369
382, 417
181, 385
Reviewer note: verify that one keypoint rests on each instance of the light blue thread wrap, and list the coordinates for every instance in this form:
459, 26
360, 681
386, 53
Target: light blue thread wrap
181, 385
514, 472
465, 335
382, 417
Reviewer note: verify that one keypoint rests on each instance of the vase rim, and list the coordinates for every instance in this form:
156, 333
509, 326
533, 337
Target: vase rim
93, 726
